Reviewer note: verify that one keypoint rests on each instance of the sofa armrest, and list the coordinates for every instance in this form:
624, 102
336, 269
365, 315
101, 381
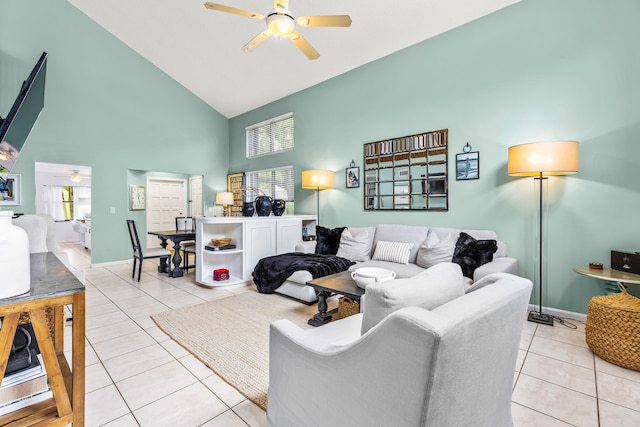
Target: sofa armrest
325, 340
306, 247
498, 265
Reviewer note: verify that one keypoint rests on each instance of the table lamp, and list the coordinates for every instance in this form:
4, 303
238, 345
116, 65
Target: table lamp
541, 159
317, 180
225, 199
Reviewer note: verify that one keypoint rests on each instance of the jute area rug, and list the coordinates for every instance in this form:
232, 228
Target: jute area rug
231, 336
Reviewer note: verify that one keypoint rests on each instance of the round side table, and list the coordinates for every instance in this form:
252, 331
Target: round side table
611, 275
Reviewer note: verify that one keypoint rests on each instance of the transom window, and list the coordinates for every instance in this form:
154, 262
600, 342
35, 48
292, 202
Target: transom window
271, 136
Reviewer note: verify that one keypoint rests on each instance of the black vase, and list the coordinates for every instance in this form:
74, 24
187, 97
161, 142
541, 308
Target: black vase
247, 209
278, 207
264, 205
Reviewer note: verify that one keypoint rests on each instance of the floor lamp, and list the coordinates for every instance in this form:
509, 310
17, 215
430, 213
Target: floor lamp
317, 180
541, 159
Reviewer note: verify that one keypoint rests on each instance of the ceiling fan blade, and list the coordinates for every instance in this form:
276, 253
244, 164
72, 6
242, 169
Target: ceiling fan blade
235, 11
281, 5
256, 41
325, 21
302, 44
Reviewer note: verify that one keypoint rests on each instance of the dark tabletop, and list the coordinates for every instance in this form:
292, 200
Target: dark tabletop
49, 278
339, 283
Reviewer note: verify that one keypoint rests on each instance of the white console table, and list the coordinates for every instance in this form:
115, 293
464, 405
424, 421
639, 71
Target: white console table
254, 237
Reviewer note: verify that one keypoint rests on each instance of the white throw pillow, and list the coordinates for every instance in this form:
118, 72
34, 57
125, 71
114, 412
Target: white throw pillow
397, 252
429, 289
435, 250
354, 244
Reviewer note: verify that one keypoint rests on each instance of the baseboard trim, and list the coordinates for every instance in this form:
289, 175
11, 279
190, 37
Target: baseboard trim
112, 263
560, 313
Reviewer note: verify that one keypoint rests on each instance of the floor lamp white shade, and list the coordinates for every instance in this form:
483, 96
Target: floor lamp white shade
318, 180
540, 159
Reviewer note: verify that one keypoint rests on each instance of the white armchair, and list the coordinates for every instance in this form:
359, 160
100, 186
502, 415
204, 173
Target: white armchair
450, 366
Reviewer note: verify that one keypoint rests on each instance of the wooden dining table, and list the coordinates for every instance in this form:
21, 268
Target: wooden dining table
176, 236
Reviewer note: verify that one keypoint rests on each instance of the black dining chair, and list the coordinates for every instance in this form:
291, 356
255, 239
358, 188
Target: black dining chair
140, 254
187, 247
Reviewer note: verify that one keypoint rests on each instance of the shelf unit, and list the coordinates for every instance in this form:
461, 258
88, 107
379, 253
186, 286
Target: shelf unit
410, 172
54, 287
231, 259
254, 237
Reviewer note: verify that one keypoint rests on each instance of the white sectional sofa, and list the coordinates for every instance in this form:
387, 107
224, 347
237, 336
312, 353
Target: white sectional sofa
430, 246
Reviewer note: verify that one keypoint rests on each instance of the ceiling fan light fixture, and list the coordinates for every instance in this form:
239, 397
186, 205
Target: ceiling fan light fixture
4, 155
280, 24
75, 177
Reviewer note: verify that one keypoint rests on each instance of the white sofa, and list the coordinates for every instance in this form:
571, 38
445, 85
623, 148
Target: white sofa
452, 365
295, 286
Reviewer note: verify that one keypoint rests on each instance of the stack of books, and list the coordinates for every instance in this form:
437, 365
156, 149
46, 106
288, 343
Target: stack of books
26, 386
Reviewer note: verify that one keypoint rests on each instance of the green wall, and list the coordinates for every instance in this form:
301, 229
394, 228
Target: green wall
538, 70
105, 107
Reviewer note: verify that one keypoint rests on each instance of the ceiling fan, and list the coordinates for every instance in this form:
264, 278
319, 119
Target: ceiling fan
281, 24
74, 176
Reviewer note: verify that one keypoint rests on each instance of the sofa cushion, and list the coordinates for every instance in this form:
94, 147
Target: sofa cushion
429, 289
415, 234
435, 250
471, 253
478, 234
398, 252
354, 244
328, 240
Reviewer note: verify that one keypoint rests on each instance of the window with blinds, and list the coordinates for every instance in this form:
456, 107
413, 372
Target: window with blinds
277, 183
271, 136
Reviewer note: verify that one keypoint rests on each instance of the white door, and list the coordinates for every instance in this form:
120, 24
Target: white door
166, 199
195, 196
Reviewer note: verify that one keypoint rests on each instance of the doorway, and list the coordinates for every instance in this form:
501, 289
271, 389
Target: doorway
195, 196
64, 192
166, 199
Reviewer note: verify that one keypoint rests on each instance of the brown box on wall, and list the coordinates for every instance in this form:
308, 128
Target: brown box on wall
625, 261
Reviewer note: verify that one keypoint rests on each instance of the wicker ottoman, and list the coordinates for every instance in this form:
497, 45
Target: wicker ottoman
613, 329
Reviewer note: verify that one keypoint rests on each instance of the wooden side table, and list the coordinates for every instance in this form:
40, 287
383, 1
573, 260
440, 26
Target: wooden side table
52, 285
338, 283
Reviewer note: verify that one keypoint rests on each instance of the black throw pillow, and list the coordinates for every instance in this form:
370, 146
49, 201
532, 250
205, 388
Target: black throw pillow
328, 240
471, 253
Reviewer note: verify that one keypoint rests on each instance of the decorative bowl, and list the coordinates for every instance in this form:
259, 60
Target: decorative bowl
221, 241
367, 275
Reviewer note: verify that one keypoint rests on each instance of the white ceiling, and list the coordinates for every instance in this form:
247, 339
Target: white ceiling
62, 171
200, 48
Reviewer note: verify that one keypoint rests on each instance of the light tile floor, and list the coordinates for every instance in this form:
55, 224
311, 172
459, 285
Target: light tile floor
137, 376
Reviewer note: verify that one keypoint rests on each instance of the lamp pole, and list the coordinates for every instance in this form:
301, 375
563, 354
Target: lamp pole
318, 203
539, 317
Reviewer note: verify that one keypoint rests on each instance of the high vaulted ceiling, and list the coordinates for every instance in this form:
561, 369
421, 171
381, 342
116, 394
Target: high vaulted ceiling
200, 48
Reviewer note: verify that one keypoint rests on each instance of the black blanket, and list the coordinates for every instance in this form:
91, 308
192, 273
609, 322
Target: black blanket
271, 272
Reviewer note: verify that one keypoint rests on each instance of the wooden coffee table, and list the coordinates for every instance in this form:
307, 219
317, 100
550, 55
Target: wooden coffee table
339, 283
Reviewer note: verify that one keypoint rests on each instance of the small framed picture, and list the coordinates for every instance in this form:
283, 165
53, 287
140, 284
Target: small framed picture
10, 190
468, 165
353, 177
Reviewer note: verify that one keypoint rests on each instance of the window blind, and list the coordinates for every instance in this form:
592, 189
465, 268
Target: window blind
271, 136
277, 183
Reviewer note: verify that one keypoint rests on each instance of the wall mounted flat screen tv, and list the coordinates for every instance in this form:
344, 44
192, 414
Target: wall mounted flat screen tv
15, 128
